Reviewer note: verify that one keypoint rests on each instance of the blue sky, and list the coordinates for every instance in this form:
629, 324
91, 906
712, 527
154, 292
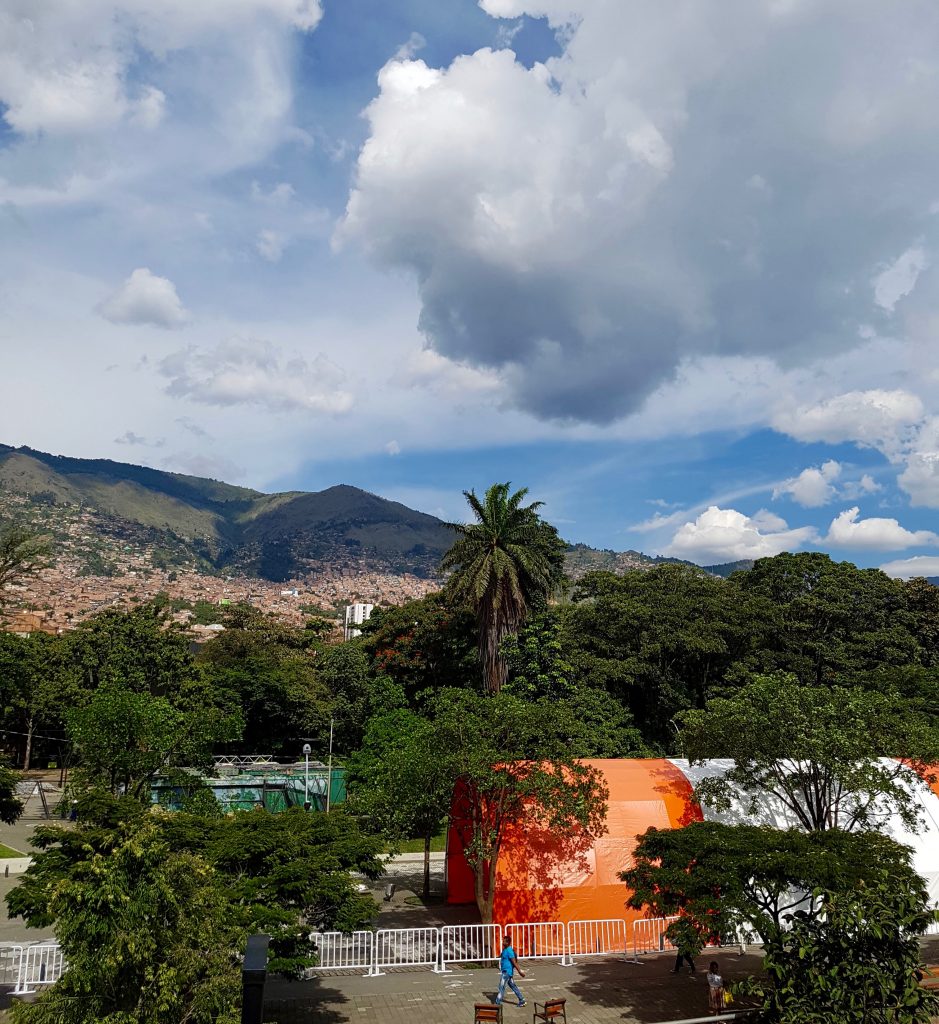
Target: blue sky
670, 265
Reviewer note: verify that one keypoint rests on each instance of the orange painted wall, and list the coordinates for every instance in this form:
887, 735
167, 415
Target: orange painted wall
537, 883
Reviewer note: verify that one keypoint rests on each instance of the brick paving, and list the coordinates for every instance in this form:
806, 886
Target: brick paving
597, 992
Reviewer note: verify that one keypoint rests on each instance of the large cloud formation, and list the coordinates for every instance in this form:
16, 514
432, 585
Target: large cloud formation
688, 179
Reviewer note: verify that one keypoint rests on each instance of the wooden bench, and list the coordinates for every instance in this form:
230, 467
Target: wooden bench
487, 1013
929, 976
551, 1010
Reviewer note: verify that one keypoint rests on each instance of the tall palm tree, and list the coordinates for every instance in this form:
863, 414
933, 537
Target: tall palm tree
501, 563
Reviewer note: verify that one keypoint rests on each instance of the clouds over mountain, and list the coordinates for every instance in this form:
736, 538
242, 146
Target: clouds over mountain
251, 372
587, 225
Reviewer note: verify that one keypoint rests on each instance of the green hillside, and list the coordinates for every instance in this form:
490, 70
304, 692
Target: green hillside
271, 535
275, 536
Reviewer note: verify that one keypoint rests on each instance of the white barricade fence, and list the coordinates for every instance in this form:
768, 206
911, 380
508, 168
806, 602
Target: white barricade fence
534, 940
344, 951
10, 953
649, 935
469, 943
42, 964
406, 947
595, 938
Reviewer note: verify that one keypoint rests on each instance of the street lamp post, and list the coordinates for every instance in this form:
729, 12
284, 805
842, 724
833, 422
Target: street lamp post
329, 784
306, 776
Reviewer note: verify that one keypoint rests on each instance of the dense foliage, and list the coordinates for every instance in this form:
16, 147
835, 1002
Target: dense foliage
482, 700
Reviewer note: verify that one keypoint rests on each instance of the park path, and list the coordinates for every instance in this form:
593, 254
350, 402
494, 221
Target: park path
597, 992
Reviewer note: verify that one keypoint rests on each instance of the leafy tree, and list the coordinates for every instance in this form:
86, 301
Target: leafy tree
723, 877
22, 554
281, 874
831, 620
503, 564
854, 960
11, 807
138, 649
140, 701
36, 685
357, 693
396, 782
596, 723
535, 659
147, 933
514, 766
272, 670
424, 645
815, 750
660, 640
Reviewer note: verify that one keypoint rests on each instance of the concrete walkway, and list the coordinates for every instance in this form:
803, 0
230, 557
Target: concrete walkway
597, 992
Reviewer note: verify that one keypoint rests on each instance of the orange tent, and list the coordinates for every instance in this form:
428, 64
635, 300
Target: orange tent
538, 882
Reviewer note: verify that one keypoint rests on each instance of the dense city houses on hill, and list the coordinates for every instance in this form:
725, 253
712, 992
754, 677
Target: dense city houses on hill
90, 571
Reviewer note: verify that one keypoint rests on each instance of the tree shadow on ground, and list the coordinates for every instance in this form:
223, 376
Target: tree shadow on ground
303, 1002
648, 992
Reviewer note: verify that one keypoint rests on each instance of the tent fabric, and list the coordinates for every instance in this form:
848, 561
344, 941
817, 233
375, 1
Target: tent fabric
538, 881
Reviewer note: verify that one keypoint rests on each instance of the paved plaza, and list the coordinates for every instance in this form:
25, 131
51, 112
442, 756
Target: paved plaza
597, 991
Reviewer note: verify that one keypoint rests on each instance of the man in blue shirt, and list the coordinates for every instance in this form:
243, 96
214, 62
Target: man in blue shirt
508, 965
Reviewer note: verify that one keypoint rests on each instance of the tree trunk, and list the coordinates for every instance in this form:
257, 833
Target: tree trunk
426, 893
483, 902
27, 756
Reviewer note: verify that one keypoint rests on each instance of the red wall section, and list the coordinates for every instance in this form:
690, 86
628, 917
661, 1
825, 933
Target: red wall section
537, 882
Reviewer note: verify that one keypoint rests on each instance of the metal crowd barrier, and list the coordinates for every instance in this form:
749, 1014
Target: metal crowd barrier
469, 943
42, 964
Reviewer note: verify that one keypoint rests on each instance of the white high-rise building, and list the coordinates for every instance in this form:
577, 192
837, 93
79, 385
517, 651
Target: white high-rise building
356, 614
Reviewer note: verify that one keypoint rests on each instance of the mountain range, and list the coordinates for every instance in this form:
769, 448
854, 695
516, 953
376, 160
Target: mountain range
272, 536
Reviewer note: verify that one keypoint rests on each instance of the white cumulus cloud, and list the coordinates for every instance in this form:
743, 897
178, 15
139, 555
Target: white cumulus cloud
67, 67
726, 535
876, 418
256, 373
920, 478
813, 487
848, 531
587, 225
907, 568
145, 298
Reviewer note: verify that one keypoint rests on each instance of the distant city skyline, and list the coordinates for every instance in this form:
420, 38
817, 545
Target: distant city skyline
671, 266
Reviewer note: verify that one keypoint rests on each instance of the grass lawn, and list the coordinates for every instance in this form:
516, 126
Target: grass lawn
437, 845
5, 851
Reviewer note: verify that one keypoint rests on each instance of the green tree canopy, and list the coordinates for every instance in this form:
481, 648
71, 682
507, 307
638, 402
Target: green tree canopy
831, 620
504, 564
815, 750
284, 875
855, 960
272, 670
396, 780
148, 934
722, 877
424, 645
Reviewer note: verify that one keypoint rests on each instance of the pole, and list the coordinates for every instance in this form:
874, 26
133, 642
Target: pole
306, 775
329, 772
253, 976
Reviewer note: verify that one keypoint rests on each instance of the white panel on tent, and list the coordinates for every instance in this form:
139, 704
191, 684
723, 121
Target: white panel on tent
771, 811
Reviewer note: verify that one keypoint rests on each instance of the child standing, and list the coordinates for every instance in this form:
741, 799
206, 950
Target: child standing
715, 988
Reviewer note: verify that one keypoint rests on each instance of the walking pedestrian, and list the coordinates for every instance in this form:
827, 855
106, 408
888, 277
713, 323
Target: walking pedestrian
508, 965
680, 957
715, 988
